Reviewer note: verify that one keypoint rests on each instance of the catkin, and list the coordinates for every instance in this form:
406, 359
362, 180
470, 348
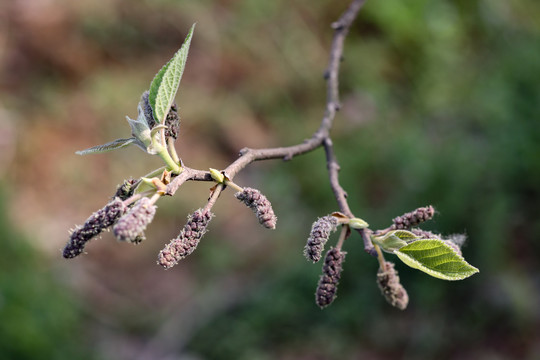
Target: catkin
187, 240
391, 288
327, 288
413, 218
93, 226
130, 226
260, 205
320, 232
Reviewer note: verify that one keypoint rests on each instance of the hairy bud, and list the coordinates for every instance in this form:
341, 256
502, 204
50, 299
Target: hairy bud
391, 288
147, 108
327, 288
320, 232
187, 240
126, 190
94, 225
260, 206
413, 218
133, 224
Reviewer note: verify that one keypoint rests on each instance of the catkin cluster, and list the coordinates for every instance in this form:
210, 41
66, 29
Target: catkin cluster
187, 240
260, 205
327, 288
413, 218
391, 288
93, 226
320, 232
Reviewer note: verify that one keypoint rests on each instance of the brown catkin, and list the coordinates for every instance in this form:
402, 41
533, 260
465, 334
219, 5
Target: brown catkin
327, 288
93, 226
187, 240
260, 205
391, 288
130, 226
320, 232
413, 218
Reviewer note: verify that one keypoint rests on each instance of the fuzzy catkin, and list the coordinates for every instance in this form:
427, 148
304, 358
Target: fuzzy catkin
187, 240
327, 288
413, 218
94, 225
320, 232
260, 205
391, 288
130, 226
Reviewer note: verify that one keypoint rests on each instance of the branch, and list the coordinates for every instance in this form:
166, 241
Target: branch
248, 155
321, 137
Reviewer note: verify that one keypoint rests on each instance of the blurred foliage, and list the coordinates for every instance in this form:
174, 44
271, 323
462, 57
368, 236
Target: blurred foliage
440, 106
40, 316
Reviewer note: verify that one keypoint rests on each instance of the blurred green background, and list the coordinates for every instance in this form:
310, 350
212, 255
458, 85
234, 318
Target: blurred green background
441, 106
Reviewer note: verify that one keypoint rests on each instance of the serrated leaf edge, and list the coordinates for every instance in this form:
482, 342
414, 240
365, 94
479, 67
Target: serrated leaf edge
161, 97
410, 261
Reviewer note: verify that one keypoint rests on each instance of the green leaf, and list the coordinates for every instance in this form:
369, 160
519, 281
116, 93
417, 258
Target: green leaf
403, 235
113, 145
394, 240
436, 258
165, 84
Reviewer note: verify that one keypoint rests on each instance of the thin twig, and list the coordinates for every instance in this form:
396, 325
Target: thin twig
213, 198
321, 137
248, 155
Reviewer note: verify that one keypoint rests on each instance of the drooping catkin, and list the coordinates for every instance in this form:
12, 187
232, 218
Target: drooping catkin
327, 288
130, 226
320, 232
94, 225
391, 288
413, 218
187, 240
260, 205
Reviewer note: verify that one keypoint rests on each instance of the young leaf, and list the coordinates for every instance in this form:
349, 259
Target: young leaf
113, 145
394, 240
165, 84
436, 258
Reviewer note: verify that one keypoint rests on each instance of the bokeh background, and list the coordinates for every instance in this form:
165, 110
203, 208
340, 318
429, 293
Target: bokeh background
441, 105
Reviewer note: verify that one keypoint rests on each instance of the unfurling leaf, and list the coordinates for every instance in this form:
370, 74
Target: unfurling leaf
165, 84
436, 258
113, 145
394, 240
